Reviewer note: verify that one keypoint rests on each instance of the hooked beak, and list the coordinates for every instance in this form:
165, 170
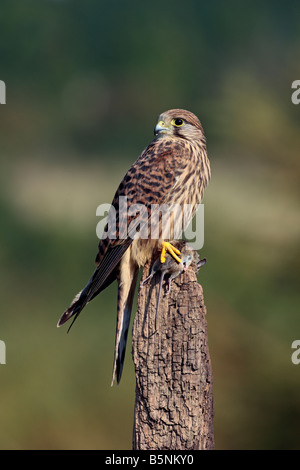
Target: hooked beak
161, 128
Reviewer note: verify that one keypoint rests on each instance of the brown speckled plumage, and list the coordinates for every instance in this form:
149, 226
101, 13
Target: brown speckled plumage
173, 169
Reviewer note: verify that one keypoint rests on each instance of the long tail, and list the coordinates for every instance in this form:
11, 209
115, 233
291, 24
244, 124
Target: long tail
125, 300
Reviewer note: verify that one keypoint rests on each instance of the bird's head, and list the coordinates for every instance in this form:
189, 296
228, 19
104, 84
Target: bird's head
179, 123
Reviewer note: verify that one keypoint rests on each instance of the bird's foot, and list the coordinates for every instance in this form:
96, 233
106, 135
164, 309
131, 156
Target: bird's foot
167, 247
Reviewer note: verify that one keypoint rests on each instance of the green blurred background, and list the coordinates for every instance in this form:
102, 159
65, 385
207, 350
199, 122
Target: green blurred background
85, 82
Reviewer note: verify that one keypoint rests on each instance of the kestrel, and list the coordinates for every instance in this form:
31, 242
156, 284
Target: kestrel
173, 170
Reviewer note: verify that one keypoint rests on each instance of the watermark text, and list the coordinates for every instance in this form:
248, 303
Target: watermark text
153, 222
2, 92
296, 354
296, 94
2, 352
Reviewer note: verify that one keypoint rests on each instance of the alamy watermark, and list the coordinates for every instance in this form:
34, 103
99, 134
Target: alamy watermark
296, 94
2, 92
2, 352
157, 221
296, 354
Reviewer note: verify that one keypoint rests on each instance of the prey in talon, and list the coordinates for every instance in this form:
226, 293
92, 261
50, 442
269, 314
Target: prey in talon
173, 269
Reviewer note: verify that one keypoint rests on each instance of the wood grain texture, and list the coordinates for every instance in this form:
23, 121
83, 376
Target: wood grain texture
174, 399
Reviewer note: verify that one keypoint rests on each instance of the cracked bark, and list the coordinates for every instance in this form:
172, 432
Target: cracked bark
174, 399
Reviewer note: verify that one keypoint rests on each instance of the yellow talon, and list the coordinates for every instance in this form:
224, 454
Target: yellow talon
166, 246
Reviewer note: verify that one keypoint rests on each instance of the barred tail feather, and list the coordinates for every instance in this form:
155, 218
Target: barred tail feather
121, 346
125, 300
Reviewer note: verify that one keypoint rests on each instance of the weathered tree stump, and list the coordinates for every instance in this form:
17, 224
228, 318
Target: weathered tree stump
174, 400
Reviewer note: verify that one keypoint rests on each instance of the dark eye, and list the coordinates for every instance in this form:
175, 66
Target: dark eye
177, 122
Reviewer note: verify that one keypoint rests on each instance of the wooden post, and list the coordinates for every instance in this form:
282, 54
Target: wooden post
174, 400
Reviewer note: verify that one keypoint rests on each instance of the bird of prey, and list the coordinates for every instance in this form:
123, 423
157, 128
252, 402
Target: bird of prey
173, 170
